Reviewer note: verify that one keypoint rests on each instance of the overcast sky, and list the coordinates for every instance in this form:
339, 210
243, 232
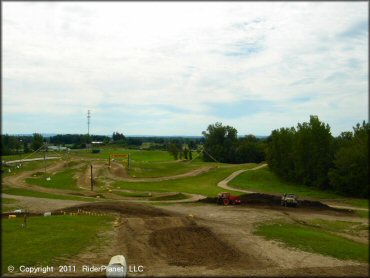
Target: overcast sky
165, 68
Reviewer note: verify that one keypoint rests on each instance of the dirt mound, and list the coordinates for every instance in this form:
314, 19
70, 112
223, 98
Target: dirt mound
273, 200
184, 246
126, 209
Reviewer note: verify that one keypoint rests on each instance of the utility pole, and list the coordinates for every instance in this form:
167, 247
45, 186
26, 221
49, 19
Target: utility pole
88, 122
44, 159
128, 164
92, 178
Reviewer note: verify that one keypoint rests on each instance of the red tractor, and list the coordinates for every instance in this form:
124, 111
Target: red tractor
225, 199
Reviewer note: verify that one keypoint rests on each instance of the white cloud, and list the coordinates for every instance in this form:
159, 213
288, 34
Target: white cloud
187, 55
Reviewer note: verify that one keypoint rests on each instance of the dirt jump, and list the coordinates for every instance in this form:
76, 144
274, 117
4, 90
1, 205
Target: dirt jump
183, 240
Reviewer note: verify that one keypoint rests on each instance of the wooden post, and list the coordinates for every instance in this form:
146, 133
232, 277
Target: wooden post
92, 179
45, 161
128, 164
25, 220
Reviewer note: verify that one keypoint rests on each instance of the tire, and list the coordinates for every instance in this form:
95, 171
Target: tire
226, 202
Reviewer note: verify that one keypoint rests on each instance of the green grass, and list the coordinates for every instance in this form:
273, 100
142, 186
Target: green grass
27, 166
60, 180
24, 156
6, 201
132, 194
362, 213
37, 194
147, 169
265, 181
314, 240
178, 196
8, 204
361, 203
135, 155
47, 238
205, 184
338, 226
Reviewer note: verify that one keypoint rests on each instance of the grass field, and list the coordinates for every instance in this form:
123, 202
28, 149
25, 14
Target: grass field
131, 194
7, 201
62, 236
205, 184
265, 181
27, 166
339, 226
135, 155
142, 169
178, 196
60, 180
316, 240
33, 193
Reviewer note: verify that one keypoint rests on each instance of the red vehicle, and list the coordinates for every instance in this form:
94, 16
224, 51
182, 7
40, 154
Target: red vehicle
225, 199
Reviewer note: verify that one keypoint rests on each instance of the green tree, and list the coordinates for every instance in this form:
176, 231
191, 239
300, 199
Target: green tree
220, 143
313, 153
37, 141
350, 173
280, 154
174, 150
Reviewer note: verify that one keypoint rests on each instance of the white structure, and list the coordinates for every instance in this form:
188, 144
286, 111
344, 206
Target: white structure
58, 148
117, 267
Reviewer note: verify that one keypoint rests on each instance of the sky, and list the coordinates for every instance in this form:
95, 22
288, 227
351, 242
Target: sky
173, 68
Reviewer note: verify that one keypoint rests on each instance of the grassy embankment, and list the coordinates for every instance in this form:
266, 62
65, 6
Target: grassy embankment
59, 180
38, 194
265, 181
317, 238
47, 238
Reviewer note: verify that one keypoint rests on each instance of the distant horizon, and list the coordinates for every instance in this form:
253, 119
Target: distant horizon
110, 135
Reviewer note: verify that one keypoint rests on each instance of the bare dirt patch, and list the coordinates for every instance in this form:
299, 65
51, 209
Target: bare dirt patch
192, 245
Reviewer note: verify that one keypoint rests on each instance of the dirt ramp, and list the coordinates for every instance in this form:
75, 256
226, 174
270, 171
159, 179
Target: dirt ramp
189, 246
125, 209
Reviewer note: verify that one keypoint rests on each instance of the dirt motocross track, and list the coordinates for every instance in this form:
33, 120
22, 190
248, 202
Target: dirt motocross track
188, 240
200, 239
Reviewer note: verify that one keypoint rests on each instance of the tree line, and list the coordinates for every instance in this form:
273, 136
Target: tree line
222, 144
310, 155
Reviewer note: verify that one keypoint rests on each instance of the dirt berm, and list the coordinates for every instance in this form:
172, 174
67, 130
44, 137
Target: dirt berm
262, 199
124, 209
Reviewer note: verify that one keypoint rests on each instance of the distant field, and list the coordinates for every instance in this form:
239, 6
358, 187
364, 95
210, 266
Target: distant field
147, 169
135, 155
25, 246
263, 180
316, 240
205, 184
